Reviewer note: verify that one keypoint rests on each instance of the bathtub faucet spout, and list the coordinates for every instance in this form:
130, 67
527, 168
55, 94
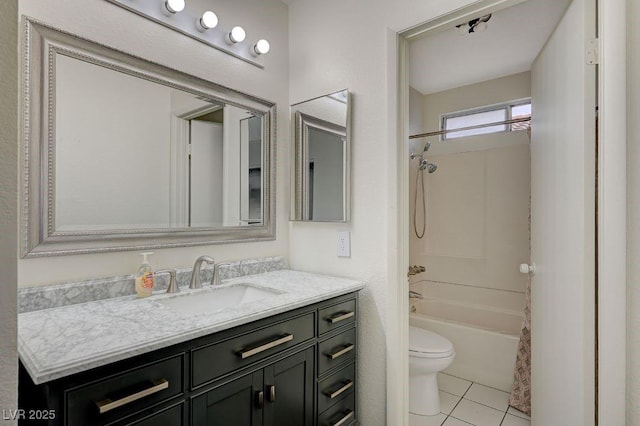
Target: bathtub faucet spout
415, 295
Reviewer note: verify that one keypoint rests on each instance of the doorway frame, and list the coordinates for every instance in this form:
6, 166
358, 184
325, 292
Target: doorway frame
611, 207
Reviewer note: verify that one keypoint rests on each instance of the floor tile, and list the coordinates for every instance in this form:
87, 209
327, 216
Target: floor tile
452, 421
477, 414
518, 413
447, 402
485, 395
510, 420
452, 384
416, 420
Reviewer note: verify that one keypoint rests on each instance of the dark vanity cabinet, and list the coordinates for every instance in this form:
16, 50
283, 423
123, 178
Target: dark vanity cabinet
297, 368
279, 394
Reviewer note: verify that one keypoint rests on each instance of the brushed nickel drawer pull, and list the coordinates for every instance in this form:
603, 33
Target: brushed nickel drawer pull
107, 404
348, 384
345, 419
341, 352
253, 351
341, 316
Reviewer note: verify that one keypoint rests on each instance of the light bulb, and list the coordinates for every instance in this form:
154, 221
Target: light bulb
260, 48
207, 21
236, 35
173, 6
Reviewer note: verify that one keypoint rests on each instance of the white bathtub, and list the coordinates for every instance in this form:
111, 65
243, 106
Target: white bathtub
485, 339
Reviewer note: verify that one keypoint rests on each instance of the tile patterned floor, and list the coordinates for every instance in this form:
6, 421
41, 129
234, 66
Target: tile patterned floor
464, 403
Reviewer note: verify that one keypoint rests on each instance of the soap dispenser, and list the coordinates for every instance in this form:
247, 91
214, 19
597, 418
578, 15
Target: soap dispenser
144, 277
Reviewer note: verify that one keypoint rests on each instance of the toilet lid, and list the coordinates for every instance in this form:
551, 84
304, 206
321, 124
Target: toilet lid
428, 342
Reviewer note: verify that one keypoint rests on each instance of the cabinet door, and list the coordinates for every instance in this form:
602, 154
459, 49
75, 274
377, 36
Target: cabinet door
288, 390
235, 403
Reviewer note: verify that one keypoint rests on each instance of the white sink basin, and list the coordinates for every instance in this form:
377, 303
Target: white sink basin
215, 299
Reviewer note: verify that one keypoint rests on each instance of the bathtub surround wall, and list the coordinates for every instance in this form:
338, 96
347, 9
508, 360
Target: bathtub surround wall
52, 296
9, 134
477, 204
108, 24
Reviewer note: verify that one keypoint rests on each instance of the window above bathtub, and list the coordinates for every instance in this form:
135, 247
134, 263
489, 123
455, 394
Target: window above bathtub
501, 114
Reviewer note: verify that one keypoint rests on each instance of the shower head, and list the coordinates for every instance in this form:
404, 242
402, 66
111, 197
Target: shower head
431, 167
426, 146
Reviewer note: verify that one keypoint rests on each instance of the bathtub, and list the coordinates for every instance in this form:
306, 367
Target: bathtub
485, 338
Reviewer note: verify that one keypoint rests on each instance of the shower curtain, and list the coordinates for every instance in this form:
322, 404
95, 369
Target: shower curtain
520, 398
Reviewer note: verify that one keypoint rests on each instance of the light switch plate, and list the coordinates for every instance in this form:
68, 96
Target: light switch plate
344, 244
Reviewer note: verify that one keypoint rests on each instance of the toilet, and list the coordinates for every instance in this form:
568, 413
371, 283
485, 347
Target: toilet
429, 353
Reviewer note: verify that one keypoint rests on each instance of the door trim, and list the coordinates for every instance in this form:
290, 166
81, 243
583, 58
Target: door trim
612, 214
611, 210
398, 60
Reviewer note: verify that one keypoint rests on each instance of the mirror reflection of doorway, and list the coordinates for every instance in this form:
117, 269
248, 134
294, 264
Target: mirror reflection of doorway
205, 170
312, 166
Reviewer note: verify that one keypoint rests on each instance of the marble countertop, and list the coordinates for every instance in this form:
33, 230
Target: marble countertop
57, 342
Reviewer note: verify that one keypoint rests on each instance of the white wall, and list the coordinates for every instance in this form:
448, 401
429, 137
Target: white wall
359, 53
112, 149
416, 117
633, 214
108, 24
8, 204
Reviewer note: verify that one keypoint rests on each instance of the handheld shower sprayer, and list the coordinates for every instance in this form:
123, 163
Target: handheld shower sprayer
430, 167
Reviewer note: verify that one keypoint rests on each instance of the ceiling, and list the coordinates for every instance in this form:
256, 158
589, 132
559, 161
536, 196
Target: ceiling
514, 36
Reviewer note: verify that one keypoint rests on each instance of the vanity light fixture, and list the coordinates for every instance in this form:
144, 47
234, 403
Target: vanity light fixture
236, 35
172, 7
200, 24
207, 21
262, 47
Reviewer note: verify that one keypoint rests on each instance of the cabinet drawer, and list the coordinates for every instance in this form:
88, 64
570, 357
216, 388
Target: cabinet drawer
170, 416
341, 414
336, 386
105, 400
212, 361
336, 350
332, 317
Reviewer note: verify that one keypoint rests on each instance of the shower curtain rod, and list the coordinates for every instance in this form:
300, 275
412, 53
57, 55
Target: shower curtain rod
477, 126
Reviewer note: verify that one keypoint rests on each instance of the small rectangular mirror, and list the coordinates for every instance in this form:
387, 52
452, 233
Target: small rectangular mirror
322, 159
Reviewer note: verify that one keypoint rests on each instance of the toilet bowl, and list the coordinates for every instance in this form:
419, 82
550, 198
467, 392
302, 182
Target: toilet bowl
429, 353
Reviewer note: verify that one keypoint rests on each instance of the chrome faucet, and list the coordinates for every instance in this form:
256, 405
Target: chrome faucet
415, 269
195, 274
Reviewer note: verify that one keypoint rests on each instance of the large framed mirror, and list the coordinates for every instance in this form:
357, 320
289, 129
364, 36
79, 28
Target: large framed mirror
322, 159
122, 154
